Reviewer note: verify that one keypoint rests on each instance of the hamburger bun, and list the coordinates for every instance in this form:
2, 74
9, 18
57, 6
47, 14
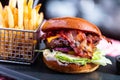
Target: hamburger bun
70, 68
70, 23
75, 24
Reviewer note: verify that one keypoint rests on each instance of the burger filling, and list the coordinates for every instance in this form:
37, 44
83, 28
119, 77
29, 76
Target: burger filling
73, 46
73, 42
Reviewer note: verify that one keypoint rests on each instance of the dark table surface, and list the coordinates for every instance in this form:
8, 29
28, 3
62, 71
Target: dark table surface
38, 70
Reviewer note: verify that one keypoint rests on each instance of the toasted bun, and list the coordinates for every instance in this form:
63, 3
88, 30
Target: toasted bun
70, 23
70, 68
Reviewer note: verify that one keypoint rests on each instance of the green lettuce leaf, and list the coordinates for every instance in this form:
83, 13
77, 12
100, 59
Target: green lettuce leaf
98, 58
71, 59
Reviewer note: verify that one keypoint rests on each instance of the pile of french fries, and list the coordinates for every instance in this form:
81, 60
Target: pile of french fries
20, 14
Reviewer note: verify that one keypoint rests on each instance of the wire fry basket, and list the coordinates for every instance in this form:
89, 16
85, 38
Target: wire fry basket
17, 46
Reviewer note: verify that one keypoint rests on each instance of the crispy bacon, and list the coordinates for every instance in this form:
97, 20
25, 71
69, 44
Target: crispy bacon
83, 44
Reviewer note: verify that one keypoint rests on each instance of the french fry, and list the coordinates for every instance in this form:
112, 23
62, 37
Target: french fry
34, 18
26, 20
1, 20
26, 17
20, 13
10, 17
30, 24
25, 3
30, 4
5, 15
39, 19
1, 15
1, 8
15, 15
38, 7
12, 3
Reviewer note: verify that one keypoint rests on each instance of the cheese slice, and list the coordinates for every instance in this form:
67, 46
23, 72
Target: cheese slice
52, 37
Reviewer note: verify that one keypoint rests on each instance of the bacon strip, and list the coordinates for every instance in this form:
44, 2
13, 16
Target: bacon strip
82, 44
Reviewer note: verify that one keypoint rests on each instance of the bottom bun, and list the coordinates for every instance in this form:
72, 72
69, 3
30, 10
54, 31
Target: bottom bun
70, 68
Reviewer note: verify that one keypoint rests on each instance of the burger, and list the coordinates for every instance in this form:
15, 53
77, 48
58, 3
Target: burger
71, 45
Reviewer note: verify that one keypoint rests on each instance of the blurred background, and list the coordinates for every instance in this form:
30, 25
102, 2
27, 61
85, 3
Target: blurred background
103, 13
